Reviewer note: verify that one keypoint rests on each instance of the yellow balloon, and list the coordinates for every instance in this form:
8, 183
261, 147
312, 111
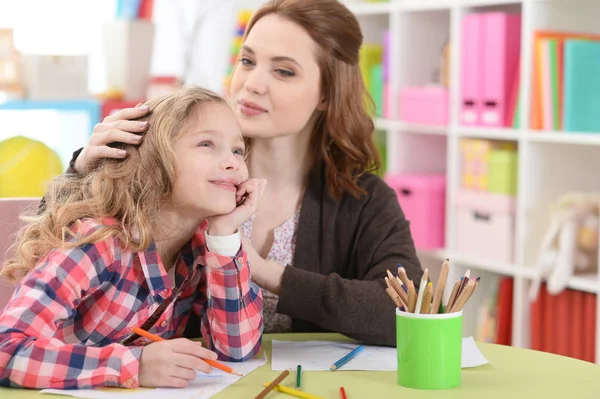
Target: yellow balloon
25, 166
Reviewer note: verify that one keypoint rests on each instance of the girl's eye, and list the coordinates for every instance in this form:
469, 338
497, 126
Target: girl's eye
239, 151
285, 73
206, 143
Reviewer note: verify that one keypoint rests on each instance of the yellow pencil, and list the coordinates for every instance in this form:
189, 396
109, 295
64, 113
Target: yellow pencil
294, 392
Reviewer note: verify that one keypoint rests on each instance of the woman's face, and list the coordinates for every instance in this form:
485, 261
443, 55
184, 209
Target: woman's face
275, 88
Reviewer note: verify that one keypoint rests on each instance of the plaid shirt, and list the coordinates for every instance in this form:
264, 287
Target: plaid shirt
64, 325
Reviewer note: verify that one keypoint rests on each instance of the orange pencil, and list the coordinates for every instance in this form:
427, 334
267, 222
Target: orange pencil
213, 363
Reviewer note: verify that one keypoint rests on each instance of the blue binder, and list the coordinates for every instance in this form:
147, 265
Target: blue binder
582, 86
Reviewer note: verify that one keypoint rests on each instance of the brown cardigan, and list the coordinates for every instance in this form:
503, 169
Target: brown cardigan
343, 249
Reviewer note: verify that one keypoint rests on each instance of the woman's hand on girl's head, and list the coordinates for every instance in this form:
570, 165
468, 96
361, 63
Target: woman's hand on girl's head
117, 128
248, 197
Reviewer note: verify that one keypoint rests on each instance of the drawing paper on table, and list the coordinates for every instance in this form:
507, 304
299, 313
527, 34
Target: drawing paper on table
203, 387
320, 355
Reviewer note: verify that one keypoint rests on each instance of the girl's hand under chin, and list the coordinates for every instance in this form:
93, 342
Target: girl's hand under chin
248, 196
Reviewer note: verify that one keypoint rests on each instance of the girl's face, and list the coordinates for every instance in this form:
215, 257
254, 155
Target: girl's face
209, 163
275, 88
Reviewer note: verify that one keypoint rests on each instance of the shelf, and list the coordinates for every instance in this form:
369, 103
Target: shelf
422, 5
361, 9
487, 133
389, 124
585, 283
564, 137
483, 3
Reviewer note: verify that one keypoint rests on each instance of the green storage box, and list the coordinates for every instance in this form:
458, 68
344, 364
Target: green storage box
503, 171
376, 89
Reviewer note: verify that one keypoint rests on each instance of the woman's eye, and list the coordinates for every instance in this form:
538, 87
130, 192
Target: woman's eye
245, 61
285, 73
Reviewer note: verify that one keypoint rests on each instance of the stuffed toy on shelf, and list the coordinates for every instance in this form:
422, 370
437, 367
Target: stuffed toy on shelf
570, 245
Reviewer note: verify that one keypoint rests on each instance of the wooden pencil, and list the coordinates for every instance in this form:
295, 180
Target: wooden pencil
425, 305
396, 283
272, 385
441, 285
403, 289
402, 275
463, 283
464, 296
421, 294
412, 297
395, 297
452, 296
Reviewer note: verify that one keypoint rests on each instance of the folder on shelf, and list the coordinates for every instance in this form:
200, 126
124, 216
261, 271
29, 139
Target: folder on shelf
537, 115
471, 67
562, 328
505, 313
537, 320
576, 348
582, 86
589, 327
501, 54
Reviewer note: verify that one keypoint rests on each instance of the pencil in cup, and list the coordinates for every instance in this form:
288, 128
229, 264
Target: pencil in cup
212, 363
429, 298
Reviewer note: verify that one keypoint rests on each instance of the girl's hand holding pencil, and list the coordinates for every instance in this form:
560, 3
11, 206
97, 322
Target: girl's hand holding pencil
429, 298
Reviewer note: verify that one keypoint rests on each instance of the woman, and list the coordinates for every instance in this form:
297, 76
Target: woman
139, 243
327, 229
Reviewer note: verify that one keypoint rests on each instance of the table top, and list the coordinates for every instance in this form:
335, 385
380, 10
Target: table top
512, 373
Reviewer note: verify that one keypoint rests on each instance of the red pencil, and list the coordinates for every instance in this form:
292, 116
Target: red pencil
343, 393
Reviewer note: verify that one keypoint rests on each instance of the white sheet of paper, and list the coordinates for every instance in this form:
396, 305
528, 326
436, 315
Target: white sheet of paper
203, 387
320, 355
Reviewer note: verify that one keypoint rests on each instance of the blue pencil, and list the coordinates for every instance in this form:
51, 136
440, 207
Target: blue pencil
346, 358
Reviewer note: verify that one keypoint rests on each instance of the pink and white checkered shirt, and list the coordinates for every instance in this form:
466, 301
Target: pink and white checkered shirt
64, 324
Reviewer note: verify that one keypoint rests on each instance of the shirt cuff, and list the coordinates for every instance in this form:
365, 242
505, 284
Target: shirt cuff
224, 245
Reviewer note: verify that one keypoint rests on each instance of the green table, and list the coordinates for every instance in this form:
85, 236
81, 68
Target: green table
512, 373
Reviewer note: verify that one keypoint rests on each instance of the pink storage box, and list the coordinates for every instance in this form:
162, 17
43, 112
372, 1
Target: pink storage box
485, 226
427, 105
10, 209
423, 200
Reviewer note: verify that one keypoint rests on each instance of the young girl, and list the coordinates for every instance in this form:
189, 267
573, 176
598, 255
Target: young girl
139, 242
328, 229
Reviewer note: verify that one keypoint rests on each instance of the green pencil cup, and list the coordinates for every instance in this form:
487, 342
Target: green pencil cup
429, 348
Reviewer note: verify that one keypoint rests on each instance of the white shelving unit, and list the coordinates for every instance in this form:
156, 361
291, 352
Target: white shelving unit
550, 163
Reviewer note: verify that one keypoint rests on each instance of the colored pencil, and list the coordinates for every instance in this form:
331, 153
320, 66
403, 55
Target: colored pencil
270, 386
412, 297
452, 296
422, 288
343, 393
298, 376
212, 363
294, 392
429, 298
402, 275
347, 358
441, 285
426, 304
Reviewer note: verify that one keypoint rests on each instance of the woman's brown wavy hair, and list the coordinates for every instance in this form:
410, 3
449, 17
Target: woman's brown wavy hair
130, 191
343, 136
